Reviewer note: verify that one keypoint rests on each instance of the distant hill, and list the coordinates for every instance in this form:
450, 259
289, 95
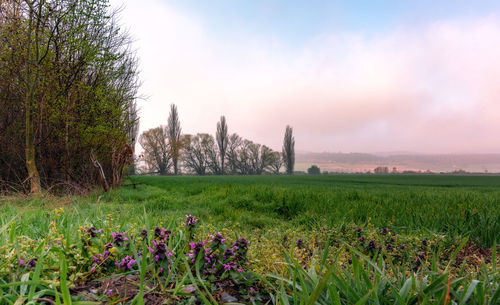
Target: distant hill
361, 162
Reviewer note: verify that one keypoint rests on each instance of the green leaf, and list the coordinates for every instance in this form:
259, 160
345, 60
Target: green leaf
63, 273
469, 292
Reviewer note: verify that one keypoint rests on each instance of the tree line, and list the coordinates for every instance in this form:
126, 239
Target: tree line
68, 85
167, 151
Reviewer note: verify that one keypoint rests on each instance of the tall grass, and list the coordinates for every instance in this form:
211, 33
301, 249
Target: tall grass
364, 281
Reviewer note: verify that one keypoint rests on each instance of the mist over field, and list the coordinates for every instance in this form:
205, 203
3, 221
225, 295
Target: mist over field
363, 162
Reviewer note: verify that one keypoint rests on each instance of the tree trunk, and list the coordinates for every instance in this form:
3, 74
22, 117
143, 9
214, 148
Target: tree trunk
33, 175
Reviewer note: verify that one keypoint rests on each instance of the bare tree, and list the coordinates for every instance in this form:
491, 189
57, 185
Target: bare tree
174, 136
234, 143
212, 156
259, 158
266, 159
156, 153
289, 150
276, 162
195, 152
243, 157
253, 160
222, 140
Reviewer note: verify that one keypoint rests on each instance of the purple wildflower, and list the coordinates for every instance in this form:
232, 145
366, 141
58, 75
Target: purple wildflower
158, 231
159, 250
253, 294
119, 238
195, 249
217, 240
384, 231
92, 232
32, 263
228, 253
144, 233
126, 263
191, 221
371, 245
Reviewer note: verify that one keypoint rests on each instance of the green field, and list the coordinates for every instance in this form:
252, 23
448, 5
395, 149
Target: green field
450, 205
436, 226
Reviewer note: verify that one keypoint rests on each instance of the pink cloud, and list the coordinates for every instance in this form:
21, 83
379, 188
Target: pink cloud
428, 89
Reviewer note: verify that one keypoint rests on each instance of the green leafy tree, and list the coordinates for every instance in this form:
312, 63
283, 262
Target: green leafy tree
68, 84
314, 170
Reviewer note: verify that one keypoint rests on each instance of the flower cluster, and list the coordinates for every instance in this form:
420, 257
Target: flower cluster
195, 249
92, 232
30, 265
191, 221
126, 263
217, 240
159, 251
217, 259
88, 234
101, 258
119, 238
162, 234
384, 231
412, 251
240, 249
299, 243
144, 233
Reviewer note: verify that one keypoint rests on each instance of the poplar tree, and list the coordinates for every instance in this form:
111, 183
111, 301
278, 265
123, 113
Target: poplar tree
222, 140
289, 150
174, 137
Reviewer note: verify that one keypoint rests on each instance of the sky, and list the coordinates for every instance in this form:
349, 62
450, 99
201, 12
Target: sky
351, 76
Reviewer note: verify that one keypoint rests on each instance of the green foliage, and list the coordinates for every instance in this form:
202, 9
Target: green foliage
67, 72
314, 170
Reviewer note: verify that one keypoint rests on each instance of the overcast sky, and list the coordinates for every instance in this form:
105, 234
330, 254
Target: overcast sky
350, 76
